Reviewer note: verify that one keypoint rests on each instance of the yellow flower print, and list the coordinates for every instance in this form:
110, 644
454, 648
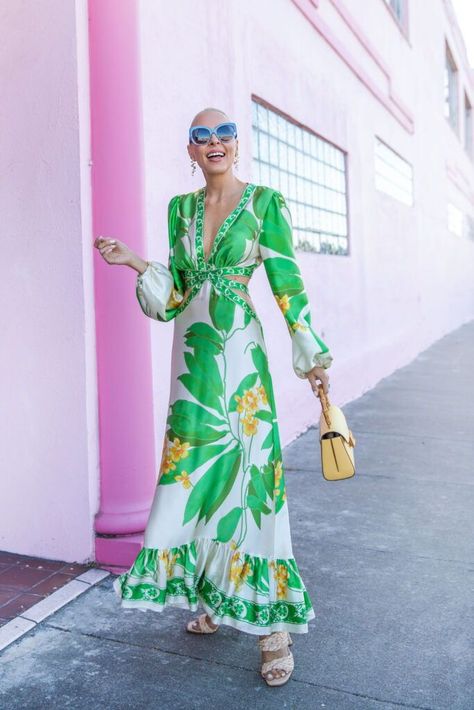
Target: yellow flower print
248, 404
281, 576
179, 450
184, 478
246, 570
175, 299
250, 401
169, 561
235, 566
283, 303
239, 571
262, 394
299, 326
240, 406
278, 475
250, 424
167, 465
278, 472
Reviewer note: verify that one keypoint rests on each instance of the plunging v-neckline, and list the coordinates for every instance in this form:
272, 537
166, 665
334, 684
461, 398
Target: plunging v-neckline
200, 215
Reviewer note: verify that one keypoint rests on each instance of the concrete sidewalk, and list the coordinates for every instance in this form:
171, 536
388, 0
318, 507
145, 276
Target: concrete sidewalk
387, 558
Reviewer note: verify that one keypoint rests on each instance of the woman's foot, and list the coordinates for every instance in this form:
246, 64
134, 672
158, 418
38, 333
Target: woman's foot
277, 659
202, 625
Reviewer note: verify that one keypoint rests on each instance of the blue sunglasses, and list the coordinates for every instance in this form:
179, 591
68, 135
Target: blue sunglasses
201, 135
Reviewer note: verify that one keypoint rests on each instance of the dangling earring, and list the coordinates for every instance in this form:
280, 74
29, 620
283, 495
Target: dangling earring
236, 160
193, 163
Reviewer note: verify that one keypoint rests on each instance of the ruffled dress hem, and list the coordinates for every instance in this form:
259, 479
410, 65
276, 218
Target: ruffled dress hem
253, 594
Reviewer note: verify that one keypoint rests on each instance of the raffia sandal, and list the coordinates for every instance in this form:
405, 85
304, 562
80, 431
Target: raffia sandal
277, 671
200, 626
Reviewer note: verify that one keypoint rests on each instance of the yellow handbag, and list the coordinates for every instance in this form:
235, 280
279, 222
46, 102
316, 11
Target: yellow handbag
336, 440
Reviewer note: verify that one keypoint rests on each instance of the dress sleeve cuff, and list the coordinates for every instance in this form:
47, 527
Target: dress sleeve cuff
307, 353
155, 290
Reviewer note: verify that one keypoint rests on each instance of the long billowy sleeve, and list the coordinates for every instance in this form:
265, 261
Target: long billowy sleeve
284, 276
160, 288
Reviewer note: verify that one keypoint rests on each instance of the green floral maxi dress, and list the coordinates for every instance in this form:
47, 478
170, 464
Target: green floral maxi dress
218, 530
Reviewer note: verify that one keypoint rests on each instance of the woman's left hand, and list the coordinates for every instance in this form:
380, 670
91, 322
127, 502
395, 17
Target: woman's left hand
318, 373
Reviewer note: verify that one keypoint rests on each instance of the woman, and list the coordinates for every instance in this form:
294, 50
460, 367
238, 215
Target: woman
218, 530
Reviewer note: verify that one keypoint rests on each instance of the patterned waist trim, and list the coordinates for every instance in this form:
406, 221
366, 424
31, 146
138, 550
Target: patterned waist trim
218, 276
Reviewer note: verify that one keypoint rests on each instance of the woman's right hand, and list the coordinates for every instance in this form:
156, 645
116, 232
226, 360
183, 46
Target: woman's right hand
114, 251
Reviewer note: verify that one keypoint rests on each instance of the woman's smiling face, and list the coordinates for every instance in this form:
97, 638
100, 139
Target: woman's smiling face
225, 151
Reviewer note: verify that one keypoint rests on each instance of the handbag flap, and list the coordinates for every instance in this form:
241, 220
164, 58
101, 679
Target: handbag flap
338, 423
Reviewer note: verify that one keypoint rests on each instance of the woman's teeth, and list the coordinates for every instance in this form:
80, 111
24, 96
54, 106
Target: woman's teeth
215, 157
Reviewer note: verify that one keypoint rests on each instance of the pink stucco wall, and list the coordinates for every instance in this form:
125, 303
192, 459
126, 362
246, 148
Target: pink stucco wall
48, 421
407, 280
348, 77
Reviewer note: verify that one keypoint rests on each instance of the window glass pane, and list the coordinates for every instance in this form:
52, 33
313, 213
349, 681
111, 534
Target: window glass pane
393, 174
455, 220
450, 89
310, 173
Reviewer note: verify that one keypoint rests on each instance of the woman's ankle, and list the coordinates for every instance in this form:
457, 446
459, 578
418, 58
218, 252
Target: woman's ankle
210, 621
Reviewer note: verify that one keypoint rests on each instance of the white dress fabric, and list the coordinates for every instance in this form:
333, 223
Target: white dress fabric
218, 532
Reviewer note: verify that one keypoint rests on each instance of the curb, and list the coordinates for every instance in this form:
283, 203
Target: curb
20, 625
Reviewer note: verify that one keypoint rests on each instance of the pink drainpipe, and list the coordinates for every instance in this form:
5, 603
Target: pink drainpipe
127, 456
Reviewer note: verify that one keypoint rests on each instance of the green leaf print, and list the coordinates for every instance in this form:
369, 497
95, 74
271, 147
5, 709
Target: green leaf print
181, 255
200, 389
204, 366
294, 577
260, 201
221, 310
267, 443
248, 226
259, 579
231, 251
285, 276
276, 233
227, 524
257, 516
213, 487
260, 361
255, 503
187, 206
296, 303
181, 229
226, 482
258, 484
183, 428
268, 478
197, 414
191, 422
196, 457
264, 415
202, 335
245, 384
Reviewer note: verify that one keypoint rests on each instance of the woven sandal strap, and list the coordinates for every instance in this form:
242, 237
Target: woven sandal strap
203, 625
277, 640
287, 663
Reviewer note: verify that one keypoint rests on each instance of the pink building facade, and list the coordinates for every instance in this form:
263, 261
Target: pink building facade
363, 121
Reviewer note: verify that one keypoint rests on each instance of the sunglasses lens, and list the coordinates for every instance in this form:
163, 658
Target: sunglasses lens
200, 135
226, 132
